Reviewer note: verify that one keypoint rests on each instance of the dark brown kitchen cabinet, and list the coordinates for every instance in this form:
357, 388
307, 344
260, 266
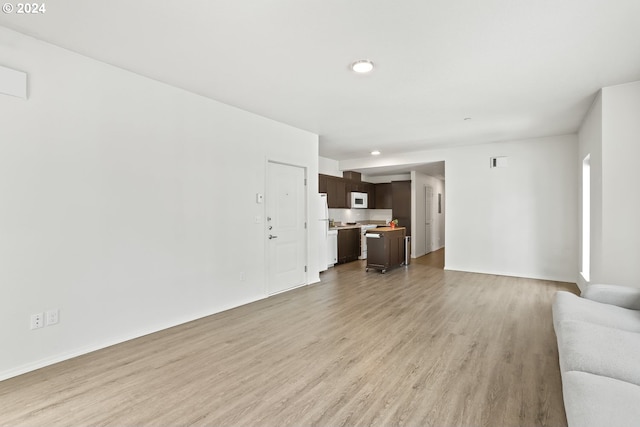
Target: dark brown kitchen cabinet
336, 189
383, 196
401, 202
358, 186
352, 176
336, 192
385, 248
339, 189
370, 189
322, 183
348, 245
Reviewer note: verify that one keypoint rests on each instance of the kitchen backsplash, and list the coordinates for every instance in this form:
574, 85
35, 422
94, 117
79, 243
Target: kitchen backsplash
360, 215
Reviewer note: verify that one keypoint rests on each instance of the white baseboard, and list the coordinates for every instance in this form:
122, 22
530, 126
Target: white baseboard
61, 357
515, 274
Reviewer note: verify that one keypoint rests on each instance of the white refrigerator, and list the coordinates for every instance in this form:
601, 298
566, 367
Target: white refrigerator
323, 228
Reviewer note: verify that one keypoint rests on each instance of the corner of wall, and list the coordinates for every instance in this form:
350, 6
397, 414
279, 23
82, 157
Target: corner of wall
328, 166
582, 283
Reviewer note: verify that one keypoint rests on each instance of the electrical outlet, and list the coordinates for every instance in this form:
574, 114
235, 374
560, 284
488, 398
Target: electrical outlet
37, 321
52, 317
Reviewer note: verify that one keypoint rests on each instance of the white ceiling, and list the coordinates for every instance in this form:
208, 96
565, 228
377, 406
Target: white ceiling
518, 68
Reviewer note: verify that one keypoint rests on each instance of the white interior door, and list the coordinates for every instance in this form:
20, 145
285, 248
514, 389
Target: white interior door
286, 234
428, 215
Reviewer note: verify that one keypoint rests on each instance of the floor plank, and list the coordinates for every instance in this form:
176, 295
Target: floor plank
432, 259
417, 346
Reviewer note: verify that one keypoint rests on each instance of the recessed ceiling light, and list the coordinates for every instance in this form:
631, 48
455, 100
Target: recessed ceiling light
375, 153
362, 66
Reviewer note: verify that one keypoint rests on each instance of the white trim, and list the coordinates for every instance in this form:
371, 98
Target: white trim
305, 170
23, 369
513, 274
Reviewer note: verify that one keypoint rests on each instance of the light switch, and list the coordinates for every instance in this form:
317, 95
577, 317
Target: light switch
259, 198
498, 162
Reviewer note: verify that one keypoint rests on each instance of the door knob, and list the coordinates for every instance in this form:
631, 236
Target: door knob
271, 236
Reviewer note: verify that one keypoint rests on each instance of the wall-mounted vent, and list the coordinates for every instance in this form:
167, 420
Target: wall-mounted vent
13, 82
499, 162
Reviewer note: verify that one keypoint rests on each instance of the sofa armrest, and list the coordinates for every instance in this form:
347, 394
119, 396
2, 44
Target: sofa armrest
622, 296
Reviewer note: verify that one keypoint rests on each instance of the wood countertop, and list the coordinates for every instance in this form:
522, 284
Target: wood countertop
383, 229
344, 227
357, 225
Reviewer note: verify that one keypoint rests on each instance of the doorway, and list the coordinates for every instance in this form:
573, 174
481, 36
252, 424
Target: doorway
428, 218
428, 186
286, 233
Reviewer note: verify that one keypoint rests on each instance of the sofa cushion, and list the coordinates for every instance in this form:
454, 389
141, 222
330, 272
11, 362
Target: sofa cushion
567, 306
592, 400
599, 350
622, 296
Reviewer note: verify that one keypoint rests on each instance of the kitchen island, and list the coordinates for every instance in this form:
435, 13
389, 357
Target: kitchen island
385, 248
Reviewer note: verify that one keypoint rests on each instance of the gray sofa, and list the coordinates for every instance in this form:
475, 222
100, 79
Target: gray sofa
599, 347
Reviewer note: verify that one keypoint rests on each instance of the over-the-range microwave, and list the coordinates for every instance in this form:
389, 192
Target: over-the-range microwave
359, 200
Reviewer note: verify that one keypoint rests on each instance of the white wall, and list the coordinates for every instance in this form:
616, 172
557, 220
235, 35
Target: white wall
126, 203
384, 179
620, 177
329, 167
610, 134
518, 221
360, 215
13, 82
418, 214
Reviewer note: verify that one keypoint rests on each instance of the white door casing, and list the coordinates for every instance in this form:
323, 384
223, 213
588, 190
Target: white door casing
428, 200
286, 234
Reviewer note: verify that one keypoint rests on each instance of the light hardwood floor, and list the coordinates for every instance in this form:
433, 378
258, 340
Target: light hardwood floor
417, 346
432, 259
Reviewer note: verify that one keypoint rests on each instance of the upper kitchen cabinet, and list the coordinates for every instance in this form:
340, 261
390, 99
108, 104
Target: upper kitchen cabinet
352, 176
354, 182
358, 186
370, 189
383, 196
339, 189
336, 192
322, 183
336, 189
